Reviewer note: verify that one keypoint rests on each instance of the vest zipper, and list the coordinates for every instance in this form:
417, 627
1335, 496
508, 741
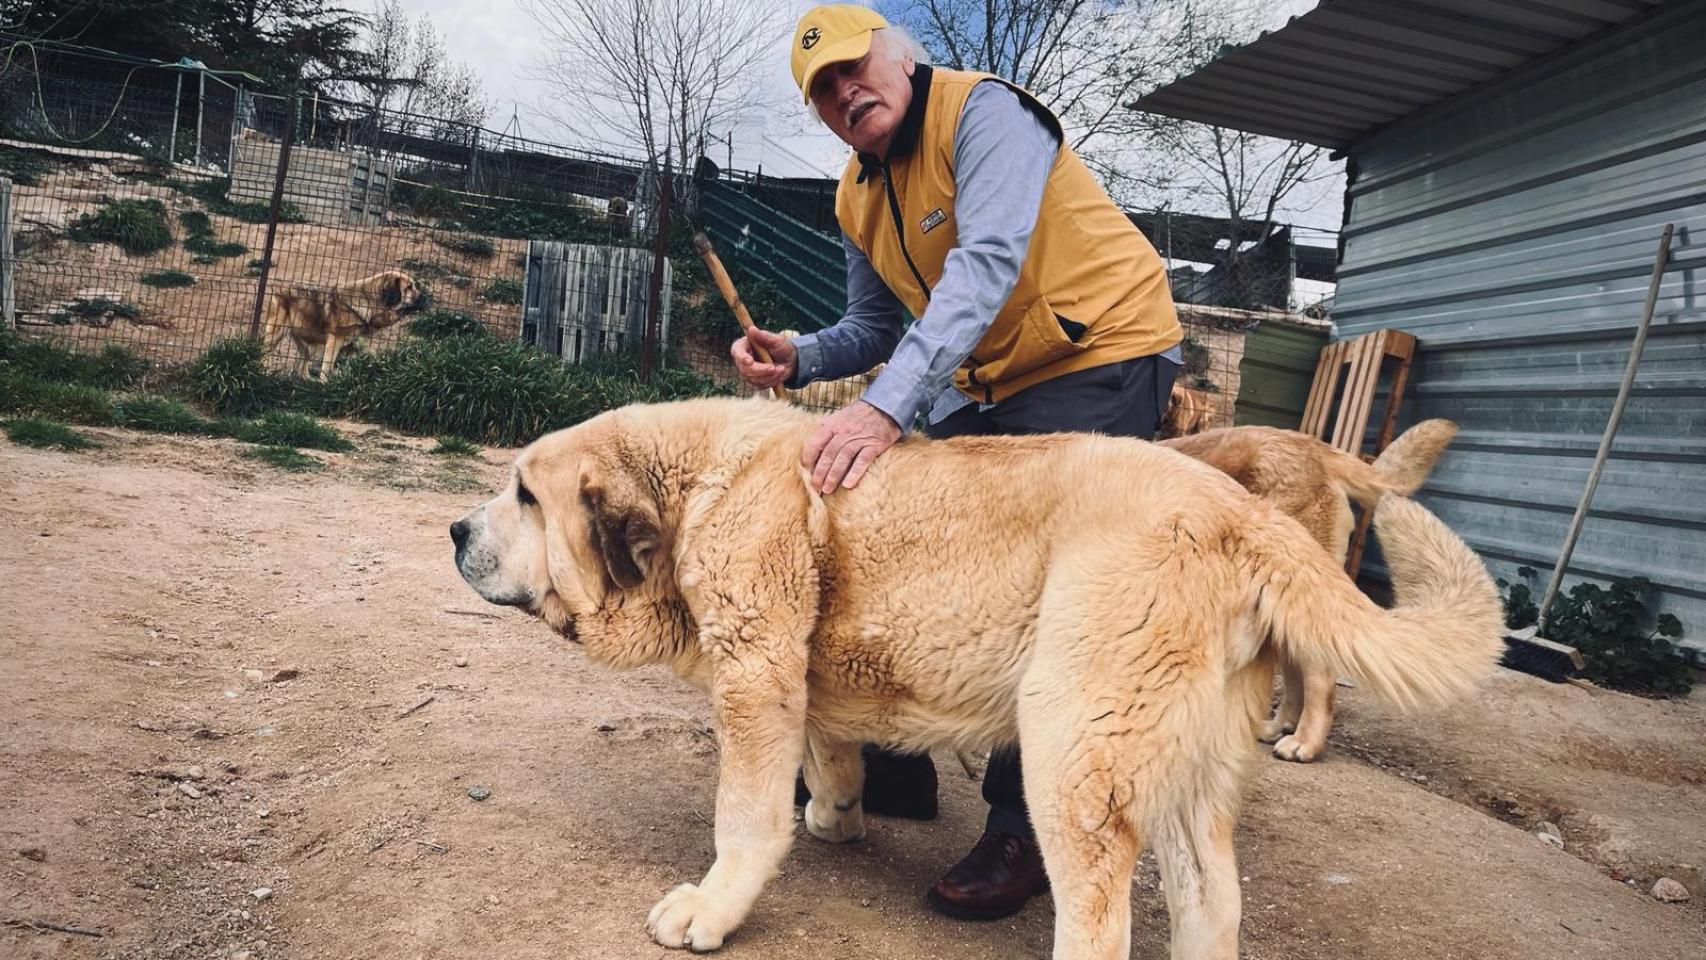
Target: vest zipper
900, 230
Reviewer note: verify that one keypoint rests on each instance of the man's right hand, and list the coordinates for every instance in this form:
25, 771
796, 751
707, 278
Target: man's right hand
754, 370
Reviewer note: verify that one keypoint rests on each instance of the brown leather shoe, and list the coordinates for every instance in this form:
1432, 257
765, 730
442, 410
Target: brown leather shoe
993, 881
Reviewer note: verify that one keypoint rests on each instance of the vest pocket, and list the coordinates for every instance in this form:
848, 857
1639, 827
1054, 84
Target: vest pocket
1020, 342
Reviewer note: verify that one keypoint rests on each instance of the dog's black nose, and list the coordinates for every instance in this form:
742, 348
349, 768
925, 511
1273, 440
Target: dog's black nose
459, 534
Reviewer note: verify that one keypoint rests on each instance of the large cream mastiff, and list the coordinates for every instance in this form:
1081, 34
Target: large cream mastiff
1104, 604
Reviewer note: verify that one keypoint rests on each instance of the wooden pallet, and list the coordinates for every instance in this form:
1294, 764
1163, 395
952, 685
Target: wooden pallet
1341, 401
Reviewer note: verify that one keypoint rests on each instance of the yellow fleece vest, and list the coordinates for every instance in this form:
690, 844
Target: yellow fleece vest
1088, 269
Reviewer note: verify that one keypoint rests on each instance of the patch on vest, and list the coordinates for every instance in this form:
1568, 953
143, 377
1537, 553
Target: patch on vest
933, 221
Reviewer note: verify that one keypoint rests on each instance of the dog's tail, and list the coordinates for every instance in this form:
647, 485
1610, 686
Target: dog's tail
1443, 636
1398, 471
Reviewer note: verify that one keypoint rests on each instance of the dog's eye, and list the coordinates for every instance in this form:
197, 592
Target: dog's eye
525, 496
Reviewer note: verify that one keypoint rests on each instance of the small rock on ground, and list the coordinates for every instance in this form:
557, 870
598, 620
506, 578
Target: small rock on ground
261, 893
1549, 833
478, 793
1669, 891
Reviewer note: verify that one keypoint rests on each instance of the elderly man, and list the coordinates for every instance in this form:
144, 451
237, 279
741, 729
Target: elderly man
1040, 308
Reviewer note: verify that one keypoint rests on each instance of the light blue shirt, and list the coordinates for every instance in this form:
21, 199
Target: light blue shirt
1002, 156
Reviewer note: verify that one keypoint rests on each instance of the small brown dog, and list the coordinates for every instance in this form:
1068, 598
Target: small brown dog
331, 319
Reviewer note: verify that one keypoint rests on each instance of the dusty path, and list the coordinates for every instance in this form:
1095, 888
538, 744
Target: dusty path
154, 589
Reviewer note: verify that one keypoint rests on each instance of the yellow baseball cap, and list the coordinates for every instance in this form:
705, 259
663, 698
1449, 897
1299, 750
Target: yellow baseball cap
831, 34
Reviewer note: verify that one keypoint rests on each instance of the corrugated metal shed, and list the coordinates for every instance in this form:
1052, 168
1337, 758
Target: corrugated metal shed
1512, 229
1350, 67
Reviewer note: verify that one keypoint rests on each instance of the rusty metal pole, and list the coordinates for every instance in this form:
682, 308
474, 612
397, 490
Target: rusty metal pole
272, 215
654, 298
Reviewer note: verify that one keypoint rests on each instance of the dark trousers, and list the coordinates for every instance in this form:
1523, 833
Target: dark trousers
1120, 399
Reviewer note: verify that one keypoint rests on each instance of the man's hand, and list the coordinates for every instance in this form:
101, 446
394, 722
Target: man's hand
845, 445
755, 371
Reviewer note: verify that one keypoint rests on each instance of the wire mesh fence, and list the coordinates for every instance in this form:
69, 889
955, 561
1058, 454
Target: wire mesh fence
144, 202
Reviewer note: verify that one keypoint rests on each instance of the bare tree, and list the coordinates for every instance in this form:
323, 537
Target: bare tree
409, 70
1083, 59
654, 75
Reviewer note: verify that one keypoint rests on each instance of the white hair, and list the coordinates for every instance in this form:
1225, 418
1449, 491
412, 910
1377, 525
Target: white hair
893, 42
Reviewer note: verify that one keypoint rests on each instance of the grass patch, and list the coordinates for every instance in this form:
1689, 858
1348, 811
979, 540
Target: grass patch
442, 323
213, 195
280, 429
196, 223
113, 367
21, 393
231, 378
206, 245
488, 390
138, 227
434, 270
469, 246
162, 415
95, 311
455, 447
502, 290
47, 435
283, 458
167, 278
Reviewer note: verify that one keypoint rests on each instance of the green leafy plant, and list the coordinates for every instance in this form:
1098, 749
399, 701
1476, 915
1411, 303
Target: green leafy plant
114, 366
206, 245
97, 311
455, 447
47, 435
213, 195
283, 458
231, 378
68, 402
434, 270
1625, 646
1196, 355
138, 227
168, 278
277, 428
161, 415
469, 246
196, 223
23, 167
443, 322
502, 290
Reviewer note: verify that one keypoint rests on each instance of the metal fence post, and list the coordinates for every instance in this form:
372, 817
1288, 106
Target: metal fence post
272, 215
8, 260
654, 289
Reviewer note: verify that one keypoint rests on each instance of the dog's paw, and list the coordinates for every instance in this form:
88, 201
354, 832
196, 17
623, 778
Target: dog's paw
825, 822
686, 918
1273, 729
1292, 747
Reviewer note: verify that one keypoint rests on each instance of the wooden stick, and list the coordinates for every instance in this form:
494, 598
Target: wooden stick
417, 706
702, 244
44, 925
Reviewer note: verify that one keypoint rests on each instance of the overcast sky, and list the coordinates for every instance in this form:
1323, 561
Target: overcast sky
500, 42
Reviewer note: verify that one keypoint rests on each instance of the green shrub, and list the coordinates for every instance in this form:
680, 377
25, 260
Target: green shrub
138, 227
213, 195
1196, 355
113, 367
424, 201
1625, 646
25, 168
231, 378
488, 390
434, 270
69, 402
284, 458
161, 415
455, 447
96, 310
31, 432
280, 429
469, 246
168, 278
502, 290
196, 223
443, 322
206, 245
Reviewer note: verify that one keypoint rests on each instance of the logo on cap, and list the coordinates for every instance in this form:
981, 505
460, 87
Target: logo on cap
810, 39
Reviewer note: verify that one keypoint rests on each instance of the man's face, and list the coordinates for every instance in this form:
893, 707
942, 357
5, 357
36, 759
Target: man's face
864, 100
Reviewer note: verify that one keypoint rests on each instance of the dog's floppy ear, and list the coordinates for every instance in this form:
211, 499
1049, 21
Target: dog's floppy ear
624, 526
391, 290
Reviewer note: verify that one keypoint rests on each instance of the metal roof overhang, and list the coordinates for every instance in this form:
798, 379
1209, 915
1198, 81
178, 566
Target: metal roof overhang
1340, 72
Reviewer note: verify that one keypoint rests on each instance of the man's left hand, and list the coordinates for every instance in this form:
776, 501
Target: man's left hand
846, 444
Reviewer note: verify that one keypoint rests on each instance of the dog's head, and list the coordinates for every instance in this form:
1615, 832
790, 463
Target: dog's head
577, 538
399, 292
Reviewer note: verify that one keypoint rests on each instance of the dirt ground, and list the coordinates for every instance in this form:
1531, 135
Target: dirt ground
298, 640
